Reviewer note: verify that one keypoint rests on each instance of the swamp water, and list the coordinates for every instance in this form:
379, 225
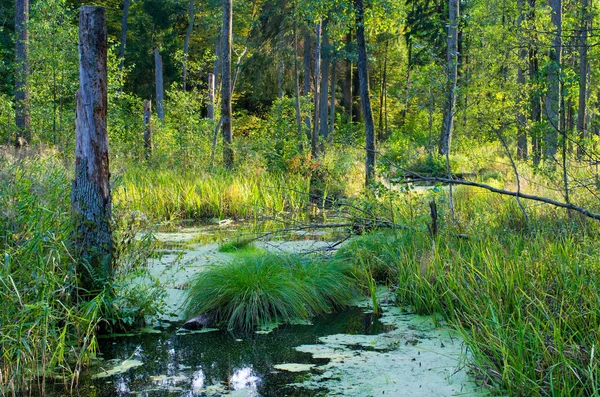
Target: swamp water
350, 353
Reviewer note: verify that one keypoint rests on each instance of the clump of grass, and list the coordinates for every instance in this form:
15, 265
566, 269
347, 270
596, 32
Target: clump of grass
237, 246
259, 289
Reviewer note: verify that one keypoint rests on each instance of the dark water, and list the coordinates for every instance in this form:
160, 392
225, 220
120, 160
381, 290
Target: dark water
193, 362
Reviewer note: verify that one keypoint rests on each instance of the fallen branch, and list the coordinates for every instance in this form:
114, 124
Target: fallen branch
555, 203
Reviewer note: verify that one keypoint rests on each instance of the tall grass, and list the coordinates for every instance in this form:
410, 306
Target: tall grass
525, 300
259, 289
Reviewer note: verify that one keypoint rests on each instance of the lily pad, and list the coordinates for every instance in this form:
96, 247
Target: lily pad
294, 367
124, 366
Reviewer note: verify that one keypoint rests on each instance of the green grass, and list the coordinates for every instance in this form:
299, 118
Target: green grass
526, 301
240, 245
257, 290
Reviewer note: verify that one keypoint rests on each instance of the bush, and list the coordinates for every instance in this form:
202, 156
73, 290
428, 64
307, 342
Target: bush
260, 289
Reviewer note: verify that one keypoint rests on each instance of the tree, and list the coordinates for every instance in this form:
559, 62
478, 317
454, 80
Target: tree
160, 90
521, 81
451, 77
123, 34
22, 115
186, 43
553, 95
365, 100
584, 72
226, 84
91, 198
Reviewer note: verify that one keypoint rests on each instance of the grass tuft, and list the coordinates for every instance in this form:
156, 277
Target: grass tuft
259, 289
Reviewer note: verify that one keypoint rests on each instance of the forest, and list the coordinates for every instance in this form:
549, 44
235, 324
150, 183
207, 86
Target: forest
299, 198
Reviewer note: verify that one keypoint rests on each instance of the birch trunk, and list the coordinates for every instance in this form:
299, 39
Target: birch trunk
148, 145
521, 81
452, 75
333, 90
91, 198
307, 60
553, 96
323, 102
158, 66
584, 71
315, 131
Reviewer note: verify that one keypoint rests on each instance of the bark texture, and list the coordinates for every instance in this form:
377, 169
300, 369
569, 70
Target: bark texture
22, 115
365, 100
91, 199
210, 113
324, 102
553, 95
316, 96
584, 71
521, 81
160, 93
186, 43
452, 75
307, 60
148, 145
226, 84
123, 34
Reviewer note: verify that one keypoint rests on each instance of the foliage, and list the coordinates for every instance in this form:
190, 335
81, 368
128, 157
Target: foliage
255, 290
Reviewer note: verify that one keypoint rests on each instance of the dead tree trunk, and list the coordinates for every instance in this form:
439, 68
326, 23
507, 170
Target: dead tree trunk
307, 81
451, 75
160, 95
333, 89
91, 199
363, 79
148, 146
553, 96
226, 84
213, 84
186, 44
123, 34
297, 90
584, 71
22, 115
347, 86
211, 97
316, 96
323, 102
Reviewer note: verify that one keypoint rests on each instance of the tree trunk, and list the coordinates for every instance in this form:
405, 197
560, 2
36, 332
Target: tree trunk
148, 146
452, 75
382, 93
22, 115
297, 90
213, 84
323, 102
553, 96
315, 132
347, 86
332, 110
186, 43
158, 66
584, 71
226, 84
521, 119
307, 60
363, 79
91, 199
123, 34
281, 72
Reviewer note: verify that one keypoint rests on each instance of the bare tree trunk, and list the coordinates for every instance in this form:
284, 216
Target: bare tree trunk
281, 71
186, 43
584, 71
213, 84
521, 119
148, 145
22, 115
323, 102
297, 90
158, 66
226, 84
91, 199
347, 86
452, 75
123, 34
553, 96
332, 110
315, 132
363, 79
382, 93
307, 60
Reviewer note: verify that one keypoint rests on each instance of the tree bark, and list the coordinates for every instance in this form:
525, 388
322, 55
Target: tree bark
553, 96
323, 102
186, 44
297, 90
158, 66
307, 62
382, 93
521, 119
452, 75
347, 86
332, 110
123, 34
226, 84
213, 84
315, 132
91, 198
211, 97
148, 145
22, 113
363, 79
584, 71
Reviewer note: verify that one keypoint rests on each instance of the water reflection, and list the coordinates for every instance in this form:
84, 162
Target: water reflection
243, 379
198, 381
